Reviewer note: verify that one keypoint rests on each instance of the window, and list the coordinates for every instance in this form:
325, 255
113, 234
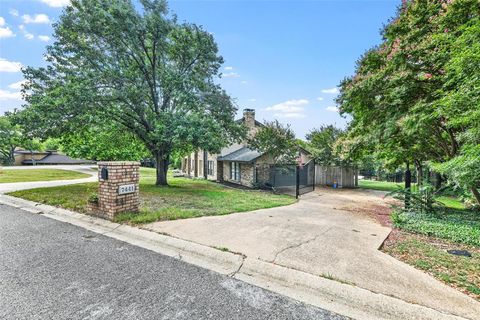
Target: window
210, 167
235, 171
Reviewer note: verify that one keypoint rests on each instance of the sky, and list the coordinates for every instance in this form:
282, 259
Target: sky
283, 58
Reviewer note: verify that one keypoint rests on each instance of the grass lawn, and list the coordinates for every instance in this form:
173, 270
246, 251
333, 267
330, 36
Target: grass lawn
29, 175
379, 185
447, 201
430, 255
183, 198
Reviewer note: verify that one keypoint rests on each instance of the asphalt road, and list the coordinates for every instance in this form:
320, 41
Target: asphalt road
53, 270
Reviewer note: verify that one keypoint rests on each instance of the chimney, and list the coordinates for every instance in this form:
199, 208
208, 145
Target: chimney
249, 118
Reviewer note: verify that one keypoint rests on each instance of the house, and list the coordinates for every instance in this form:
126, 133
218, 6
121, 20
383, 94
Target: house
49, 157
236, 163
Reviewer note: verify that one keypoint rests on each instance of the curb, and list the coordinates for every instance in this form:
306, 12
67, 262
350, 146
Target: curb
341, 298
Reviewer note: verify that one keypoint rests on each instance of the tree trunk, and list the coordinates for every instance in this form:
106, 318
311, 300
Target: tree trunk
408, 184
161, 166
476, 194
419, 174
438, 181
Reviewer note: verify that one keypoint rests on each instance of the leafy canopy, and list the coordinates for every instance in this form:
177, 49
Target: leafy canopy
139, 70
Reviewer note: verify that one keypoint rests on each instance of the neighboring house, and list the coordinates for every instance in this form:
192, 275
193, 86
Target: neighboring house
26, 157
236, 163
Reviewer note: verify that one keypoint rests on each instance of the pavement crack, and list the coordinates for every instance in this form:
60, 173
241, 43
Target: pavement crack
111, 230
298, 245
234, 273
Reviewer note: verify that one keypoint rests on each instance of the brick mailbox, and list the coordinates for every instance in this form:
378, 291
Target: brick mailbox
118, 189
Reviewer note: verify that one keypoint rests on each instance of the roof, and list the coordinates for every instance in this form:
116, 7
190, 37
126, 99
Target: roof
57, 159
244, 154
30, 152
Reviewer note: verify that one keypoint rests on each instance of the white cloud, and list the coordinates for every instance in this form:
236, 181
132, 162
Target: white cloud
289, 109
56, 3
9, 66
229, 68
17, 85
331, 109
244, 82
38, 18
295, 115
331, 91
2, 21
6, 33
231, 75
252, 100
26, 34
44, 38
320, 99
289, 106
13, 12
8, 95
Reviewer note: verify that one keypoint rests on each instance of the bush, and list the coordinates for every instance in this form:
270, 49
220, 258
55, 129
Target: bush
455, 225
93, 198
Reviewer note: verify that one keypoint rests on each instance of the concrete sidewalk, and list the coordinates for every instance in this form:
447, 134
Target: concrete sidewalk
16, 186
322, 237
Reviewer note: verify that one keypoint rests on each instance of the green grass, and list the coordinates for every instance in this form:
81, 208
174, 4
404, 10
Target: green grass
183, 198
447, 201
379, 185
462, 226
451, 202
430, 255
30, 175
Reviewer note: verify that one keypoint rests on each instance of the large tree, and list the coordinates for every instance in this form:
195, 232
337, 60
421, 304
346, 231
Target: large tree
10, 138
140, 70
397, 97
322, 144
276, 140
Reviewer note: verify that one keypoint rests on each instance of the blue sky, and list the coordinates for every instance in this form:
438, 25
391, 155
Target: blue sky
282, 58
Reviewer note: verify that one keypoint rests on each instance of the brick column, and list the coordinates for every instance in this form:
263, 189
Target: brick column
118, 190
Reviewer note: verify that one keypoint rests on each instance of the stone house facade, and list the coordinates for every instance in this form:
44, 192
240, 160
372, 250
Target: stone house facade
236, 163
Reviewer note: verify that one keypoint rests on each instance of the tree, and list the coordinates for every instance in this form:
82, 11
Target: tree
397, 97
277, 140
103, 143
461, 104
10, 138
139, 70
322, 143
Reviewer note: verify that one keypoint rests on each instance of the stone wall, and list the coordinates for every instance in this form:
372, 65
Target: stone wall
110, 202
247, 174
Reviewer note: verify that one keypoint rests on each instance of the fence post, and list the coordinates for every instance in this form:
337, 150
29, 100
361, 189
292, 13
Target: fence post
297, 184
314, 174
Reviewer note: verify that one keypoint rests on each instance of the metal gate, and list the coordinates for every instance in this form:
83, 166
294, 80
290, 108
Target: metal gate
291, 179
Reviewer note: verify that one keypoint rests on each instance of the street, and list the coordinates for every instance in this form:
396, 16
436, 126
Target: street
53, 270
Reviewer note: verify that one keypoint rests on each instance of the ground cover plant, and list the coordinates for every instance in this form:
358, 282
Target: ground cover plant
8, 175
184, 198
430, 255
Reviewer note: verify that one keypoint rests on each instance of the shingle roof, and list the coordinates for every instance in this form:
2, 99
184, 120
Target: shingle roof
57, 159
241, 155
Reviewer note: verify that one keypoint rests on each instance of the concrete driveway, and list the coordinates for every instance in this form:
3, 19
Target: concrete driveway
15, 186
324, 234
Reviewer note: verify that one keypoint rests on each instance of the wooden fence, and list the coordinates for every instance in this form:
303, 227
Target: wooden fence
344, 177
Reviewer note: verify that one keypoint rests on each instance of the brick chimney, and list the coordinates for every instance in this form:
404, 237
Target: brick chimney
249, 118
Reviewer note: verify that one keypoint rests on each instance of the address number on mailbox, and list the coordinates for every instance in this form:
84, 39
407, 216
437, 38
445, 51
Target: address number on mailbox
125, 189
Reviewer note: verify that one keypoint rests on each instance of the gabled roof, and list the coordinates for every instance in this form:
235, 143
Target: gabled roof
244, 154
57, 159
